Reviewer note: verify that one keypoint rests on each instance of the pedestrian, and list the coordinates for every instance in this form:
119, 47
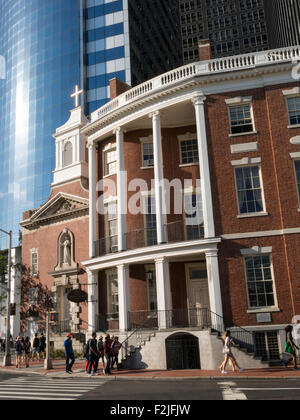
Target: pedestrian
27, 351
101, 350
107, 354
35, 348
19, 352
229, 357
93, 355
69, 353
42, 346
290, 347
116, 345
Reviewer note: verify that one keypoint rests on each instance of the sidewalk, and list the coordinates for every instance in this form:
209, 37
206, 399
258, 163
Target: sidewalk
79, 372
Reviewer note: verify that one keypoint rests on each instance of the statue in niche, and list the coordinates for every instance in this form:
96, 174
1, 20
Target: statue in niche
67, 252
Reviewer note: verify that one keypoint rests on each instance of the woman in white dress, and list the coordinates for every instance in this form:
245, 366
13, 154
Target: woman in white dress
229, 357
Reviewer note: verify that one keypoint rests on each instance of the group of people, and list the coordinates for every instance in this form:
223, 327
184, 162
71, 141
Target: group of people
107, 350
27, 350
290, 351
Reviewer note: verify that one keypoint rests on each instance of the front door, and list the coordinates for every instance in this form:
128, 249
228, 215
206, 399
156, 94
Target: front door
198, 295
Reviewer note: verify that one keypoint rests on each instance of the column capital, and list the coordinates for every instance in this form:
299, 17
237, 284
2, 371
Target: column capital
161, 260
91, 145
212, 253
119, 130
155, 114
122, 266
198, 100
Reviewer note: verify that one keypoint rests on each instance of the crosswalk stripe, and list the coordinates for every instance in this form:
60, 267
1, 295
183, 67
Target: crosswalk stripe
46, 388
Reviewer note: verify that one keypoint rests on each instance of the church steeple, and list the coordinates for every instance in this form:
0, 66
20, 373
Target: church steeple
71, 154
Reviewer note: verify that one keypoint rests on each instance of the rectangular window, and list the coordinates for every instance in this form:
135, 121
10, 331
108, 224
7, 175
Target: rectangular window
249, 190
297, 171
189, 151
150, 221
110, 162
112, 227
152, 293
260, 283
148, 156
113, 295
194, 216
241, 119
34, 263
294, 110
266, 345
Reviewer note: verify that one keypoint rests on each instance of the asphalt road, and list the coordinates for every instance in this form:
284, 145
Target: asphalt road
152, 392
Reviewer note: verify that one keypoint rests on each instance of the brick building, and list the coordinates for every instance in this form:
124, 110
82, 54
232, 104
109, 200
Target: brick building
226, 134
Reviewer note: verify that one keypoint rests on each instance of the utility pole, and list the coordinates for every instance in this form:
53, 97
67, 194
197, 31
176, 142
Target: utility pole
7, 356
47, 362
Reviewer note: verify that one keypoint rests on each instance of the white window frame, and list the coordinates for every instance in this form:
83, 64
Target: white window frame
296, 158
253, 255
34, 252
287, 98
110, 148
143, 141
145, 197
239, 102
290, 94
190, 192
108, 274
111, 201
151, 268
187, 137
251, 163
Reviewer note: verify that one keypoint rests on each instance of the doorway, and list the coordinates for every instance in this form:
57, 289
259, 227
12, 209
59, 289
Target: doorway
182, 352
198, 295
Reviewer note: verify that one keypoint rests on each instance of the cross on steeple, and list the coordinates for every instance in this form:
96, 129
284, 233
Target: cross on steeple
76, 95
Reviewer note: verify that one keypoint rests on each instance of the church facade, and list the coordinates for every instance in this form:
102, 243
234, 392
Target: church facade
183, 217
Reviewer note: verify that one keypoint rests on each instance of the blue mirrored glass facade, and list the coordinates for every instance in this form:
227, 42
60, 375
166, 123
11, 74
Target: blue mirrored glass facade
40, 41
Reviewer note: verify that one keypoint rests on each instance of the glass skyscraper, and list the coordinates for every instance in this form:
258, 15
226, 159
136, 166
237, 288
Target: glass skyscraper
49, 46
40, 43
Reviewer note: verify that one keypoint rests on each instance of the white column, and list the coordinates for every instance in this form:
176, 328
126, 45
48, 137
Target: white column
164, 297
121, 185
208, 215
124, 296
92, 200
93, 300
158, 177
214, 287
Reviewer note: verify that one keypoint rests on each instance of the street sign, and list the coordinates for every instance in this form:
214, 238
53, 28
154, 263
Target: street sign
53, 317
77, 296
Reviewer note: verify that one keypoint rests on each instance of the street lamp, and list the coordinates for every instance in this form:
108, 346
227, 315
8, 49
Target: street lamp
7, 356
47, 361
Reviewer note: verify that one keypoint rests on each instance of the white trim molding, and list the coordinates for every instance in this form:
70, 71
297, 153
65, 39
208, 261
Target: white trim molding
244, 147
292, 92
239, 100
246, 161
256, 250
295, 155
295, 140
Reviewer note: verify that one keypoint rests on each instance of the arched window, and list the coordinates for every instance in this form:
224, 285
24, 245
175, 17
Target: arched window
68, 154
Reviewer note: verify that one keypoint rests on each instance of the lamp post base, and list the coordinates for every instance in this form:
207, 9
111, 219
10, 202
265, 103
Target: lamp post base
7, 361
48, 364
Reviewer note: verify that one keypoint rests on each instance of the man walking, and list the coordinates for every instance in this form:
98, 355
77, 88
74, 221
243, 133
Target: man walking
69, 353
93, 355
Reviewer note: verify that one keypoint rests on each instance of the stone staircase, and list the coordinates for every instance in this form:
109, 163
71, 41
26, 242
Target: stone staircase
145, 349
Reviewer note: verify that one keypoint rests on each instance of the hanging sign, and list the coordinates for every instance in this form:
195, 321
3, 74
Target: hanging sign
77, 296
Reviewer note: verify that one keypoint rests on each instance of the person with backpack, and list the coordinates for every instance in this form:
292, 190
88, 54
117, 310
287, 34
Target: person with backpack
42, 349
36, 348
19, 352
116, 345
27, 349
93, 355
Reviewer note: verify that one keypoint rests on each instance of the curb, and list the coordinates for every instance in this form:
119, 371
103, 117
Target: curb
148, 378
